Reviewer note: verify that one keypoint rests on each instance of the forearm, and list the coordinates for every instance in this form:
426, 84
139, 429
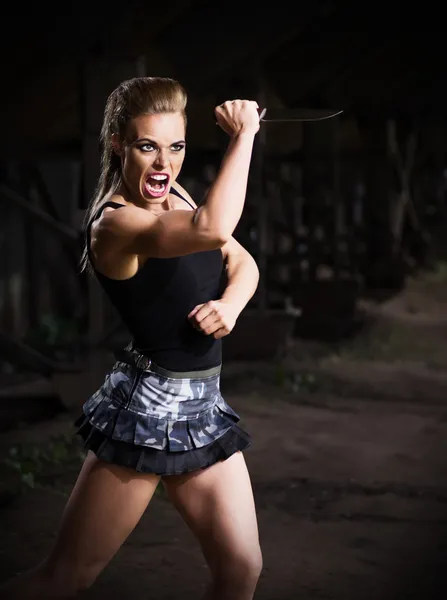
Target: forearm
225, 199
243, 278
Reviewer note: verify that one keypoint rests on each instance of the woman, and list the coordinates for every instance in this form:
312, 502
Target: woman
159, 414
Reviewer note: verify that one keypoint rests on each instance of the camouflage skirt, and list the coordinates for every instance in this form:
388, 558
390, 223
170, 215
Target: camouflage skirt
159, 421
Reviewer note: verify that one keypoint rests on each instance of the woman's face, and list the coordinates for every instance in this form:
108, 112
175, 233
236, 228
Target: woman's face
152, 156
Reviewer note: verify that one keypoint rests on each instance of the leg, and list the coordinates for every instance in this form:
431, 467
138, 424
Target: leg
105, 505
217, 504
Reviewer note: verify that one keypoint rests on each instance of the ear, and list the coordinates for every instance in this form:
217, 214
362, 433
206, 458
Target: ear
116, 144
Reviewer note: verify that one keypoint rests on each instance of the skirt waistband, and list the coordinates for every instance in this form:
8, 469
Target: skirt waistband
131, 356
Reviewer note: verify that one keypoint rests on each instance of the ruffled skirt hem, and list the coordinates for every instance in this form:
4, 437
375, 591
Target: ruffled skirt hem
145, 459
143, 429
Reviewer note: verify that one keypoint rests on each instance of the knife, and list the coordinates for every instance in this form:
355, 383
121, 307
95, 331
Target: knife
276, 115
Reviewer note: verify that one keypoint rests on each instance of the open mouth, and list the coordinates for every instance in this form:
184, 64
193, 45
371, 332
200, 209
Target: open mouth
157, 184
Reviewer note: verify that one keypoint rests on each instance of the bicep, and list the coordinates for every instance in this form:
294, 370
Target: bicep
134, 231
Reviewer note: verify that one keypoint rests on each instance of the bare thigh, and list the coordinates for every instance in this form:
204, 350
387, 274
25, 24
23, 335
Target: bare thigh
218, 505
105, 505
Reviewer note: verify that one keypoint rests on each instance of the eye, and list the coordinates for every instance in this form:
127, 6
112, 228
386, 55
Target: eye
146, 147
178, 147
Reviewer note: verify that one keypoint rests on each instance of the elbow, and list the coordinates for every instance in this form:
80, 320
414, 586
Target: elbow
215, 236
216, 239
256, 273
220, 238
254, 269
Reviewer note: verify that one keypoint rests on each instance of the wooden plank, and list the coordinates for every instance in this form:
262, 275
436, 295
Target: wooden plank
37, 214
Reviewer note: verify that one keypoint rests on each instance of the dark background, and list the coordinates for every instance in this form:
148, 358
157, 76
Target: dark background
346, 219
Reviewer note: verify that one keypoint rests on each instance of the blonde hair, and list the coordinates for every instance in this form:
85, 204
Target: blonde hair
132, 98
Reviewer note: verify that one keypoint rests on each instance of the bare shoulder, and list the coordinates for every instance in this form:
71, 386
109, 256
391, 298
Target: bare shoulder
113, 233
181, 190
119, 220
107, 212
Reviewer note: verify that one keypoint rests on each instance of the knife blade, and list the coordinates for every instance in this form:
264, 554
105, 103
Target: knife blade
276, 115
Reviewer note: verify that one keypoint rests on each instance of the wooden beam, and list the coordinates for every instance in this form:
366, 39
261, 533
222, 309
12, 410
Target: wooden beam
30, 210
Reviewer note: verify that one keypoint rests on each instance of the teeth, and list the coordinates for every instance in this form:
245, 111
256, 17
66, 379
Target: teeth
157, 188
159, 177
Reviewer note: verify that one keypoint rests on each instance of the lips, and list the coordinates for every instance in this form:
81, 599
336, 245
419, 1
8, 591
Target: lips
156, 184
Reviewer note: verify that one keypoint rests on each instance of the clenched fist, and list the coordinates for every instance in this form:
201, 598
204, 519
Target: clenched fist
238, 116
215, 318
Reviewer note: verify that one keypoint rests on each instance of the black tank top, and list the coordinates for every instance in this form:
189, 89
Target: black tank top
154, 305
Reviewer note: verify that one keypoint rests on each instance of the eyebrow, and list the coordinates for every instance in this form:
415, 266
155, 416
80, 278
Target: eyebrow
144, 139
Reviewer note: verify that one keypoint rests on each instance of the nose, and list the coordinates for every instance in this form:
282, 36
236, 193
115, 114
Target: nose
162, 160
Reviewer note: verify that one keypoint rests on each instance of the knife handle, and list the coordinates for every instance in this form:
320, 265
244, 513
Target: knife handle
261, 112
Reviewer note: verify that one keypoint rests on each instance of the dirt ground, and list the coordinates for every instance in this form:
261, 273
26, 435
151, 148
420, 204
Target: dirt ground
348, 463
